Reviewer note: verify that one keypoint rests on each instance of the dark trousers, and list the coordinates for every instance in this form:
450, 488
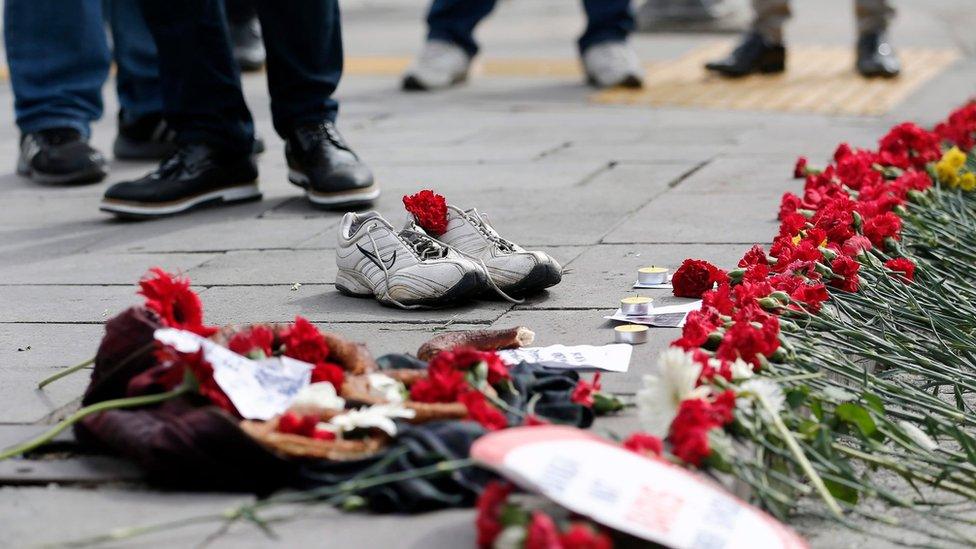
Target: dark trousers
455, 20
202, 95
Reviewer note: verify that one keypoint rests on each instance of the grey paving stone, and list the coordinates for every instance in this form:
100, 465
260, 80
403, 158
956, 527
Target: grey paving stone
604, 274
25, 403
90, 304
724, 218
762, 176
97, 268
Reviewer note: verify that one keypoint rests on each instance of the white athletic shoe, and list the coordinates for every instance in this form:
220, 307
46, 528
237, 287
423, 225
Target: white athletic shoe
440, 65
613, 63
406, 268
510, 267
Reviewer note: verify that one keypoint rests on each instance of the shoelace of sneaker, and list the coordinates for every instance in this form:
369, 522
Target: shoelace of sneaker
423, 246
481, 222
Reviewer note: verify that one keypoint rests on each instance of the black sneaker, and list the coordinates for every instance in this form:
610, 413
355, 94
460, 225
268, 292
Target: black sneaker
60, 156
151, 138
145, 138
248, 46
194, 176
321, 162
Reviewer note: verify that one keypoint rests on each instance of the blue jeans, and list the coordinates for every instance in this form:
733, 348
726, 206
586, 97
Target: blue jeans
59, 58
455, 20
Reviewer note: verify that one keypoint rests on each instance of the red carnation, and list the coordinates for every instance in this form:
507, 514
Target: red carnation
904, 267
580, 535
755, 256
695, 277
810, 295
907, 146
304, 342
172, 299
481, 411
297, 424
800, 169
490, 502
177, 364
331, 372
856, 244
465, 358
695, 332
880, 227
644, 444
744, 340
583, 392
443, 383
254, 340
429, 210
542, 533
846, 268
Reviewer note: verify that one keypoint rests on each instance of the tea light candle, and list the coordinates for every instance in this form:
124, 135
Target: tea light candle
635, 305
652, 275
634, 334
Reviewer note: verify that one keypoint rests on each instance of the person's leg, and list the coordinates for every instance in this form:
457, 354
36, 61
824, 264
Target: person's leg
875, 56
304, 43
201, 88
607, 21
455, 20
873, 15
137, 80
58, 57
770, 17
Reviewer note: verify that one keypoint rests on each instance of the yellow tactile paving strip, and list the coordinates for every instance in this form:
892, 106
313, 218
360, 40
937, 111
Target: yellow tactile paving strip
818, 80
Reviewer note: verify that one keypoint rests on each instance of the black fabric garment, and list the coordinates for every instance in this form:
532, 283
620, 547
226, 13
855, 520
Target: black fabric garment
202, 97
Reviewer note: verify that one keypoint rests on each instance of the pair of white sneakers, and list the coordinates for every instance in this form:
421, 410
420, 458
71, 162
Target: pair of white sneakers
412, 269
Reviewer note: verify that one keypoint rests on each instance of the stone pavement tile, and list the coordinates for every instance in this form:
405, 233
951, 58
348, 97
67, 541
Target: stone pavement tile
603, 274
323, 303
97, 268
23, 402
588, 327
756, 176
69, 304
723, 218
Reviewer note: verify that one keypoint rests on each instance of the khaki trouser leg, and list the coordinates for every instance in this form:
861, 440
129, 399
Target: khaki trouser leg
873, 15
771, 15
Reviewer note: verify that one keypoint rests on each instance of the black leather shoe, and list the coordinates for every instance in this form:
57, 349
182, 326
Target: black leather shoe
876, 57
320, 161
753, 55
194, 176
145, 138
59, 156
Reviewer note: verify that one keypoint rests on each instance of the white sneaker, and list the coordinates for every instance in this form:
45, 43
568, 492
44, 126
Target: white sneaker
440, 65
407, 268
612, 63
511, 268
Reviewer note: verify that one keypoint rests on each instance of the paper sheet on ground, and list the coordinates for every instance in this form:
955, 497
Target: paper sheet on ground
663, 286
665, 316
645, 497
259, 390
611, 358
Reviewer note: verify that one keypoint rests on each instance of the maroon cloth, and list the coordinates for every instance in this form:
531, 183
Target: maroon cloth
184, 442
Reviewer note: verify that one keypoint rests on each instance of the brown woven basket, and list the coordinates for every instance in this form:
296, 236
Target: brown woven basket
297, 446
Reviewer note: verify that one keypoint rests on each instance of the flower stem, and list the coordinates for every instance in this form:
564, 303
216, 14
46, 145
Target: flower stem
128, 402
801, 458
66, 372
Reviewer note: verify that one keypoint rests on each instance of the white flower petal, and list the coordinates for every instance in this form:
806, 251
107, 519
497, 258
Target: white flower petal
385, 387
658, 400
379, 416
741, 370
769, 390
918, 436
316, 397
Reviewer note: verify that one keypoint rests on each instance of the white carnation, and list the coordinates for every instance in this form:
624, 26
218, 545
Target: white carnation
316, 397
658, 400
741, 370
763, 389
379, 416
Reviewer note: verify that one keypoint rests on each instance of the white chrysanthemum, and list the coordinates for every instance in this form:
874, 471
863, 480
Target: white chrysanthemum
768, 390
316, 397
658, 400
741, 370
380, 416
385, 387
918, 436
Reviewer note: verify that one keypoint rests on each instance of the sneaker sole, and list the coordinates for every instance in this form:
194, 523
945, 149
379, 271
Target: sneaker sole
470, 285
93, 175
413, 84
145, 210
336, 200
542, 276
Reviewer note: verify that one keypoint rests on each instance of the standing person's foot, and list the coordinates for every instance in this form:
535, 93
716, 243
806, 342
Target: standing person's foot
148, 137
320, 161
248, 46
194, 176
613, 63
876, 57
441, 64
60, 156
754, 54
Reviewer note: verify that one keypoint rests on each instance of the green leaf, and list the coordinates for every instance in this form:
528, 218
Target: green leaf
858, 416
841, 491
514, 515
795, 397
874, 402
